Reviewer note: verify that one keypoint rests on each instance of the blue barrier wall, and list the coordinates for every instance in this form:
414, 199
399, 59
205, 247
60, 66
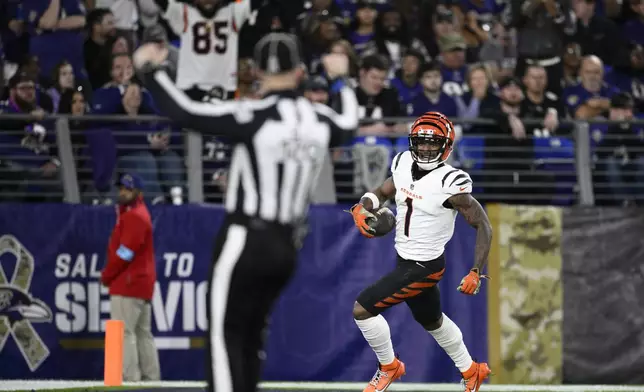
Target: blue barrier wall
312, 336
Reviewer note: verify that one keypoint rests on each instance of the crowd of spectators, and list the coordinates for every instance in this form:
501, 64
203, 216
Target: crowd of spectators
528, 65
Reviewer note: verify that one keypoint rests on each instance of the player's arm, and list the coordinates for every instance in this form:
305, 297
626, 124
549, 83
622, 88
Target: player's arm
458, 186
371, 201
374, 199
172, 11
476, 216
228, 119
246, 10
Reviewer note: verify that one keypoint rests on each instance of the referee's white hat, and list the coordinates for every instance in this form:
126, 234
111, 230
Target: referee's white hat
278, 53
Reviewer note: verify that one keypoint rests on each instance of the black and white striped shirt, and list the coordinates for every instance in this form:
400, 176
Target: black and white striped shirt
280, 143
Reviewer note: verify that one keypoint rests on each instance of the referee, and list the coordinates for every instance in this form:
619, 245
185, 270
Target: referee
279, 145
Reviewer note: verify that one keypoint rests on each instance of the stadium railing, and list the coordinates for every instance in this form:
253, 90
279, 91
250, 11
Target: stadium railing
561, 169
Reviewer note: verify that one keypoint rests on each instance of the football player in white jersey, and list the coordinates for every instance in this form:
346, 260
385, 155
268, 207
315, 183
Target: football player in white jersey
209, 31
428, 193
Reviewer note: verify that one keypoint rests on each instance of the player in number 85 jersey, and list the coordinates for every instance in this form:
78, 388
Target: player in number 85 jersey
428, 193
209, 31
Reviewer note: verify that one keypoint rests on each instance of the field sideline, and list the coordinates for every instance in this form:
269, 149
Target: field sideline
194, 386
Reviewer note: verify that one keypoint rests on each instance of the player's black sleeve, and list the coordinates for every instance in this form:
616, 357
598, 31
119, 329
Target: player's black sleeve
228, 119
344, 119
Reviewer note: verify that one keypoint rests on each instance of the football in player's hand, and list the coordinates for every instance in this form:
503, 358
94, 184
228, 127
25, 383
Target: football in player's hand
383, 221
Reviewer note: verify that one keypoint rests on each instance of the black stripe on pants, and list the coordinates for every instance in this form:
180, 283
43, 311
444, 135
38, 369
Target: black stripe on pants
252, 263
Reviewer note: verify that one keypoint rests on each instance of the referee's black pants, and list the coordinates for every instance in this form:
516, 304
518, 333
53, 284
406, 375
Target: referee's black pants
253, 260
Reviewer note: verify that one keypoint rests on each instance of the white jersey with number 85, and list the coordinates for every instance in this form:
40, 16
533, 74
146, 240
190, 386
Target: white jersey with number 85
209, 46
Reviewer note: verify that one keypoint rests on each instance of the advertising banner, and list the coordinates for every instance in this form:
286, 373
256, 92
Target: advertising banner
53, 308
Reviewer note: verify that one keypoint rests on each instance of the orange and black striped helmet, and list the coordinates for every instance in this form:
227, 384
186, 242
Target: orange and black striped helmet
431, 138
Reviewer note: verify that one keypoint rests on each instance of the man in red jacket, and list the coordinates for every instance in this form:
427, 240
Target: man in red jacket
130, 274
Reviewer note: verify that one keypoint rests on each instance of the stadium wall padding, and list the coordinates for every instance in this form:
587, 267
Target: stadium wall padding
525, 296
51, 256
603, 277
565, 302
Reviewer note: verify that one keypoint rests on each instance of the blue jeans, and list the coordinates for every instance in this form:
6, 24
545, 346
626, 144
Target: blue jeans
157, 171
624, 180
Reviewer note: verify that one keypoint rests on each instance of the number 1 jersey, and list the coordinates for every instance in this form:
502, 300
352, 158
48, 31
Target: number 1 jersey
424, 221
209, 46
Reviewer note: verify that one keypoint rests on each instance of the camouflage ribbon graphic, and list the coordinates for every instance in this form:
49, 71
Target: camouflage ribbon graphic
18, 309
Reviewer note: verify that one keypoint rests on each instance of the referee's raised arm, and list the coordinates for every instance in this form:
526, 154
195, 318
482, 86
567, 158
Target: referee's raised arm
344, 122
237, 119
230, 119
